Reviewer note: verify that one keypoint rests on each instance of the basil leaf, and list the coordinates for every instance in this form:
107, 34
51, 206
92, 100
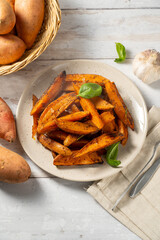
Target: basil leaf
112, 151
121, 53
90, 90
113, 163
111, 156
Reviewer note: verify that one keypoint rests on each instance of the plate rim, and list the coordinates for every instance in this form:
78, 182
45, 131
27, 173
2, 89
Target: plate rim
91, 61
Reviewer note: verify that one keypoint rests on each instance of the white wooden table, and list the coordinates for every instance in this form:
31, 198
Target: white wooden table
46, 207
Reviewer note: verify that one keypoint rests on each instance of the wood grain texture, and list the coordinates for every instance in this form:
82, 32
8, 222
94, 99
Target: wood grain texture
93, 33
47, 209
101, 4
36, 209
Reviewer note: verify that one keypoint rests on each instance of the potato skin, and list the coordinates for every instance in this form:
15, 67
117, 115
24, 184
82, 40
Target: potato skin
11, 2
7, 123
11, 48
29, 19
7, 17
13, 168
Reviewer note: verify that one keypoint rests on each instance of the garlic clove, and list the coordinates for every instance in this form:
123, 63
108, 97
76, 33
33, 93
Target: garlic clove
146, 66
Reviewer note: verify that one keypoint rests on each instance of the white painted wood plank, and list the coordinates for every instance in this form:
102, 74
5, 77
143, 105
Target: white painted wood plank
94, 4
93, 33
48, 209
13, 85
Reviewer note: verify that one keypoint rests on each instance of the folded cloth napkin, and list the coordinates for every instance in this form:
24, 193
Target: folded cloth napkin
141, 214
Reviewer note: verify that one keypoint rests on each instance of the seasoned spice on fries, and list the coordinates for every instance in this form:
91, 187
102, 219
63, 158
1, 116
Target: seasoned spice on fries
78, 117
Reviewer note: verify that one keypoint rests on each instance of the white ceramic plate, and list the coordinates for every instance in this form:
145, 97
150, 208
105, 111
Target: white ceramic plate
43, 158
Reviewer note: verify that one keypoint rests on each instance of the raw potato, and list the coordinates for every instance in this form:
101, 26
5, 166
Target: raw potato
11, 2
11, 49
13, 168
13, 31
7, 123
29, 19
7, 17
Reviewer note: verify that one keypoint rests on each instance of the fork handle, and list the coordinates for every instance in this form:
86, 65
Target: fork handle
144, 179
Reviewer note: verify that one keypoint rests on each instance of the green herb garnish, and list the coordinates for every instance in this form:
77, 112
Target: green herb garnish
121, 53
113, 163
90, 90
111, 155
80, 137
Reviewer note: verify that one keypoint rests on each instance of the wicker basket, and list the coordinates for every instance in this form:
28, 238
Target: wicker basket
51, 24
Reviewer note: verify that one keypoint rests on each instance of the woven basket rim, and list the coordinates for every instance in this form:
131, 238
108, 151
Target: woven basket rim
34, 53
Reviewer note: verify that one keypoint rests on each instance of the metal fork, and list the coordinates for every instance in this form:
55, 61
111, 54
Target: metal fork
136, 178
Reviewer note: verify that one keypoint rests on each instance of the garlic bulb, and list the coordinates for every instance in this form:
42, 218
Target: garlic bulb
146, 66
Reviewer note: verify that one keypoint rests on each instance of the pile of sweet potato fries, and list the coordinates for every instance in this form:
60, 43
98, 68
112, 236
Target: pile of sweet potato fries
75, 129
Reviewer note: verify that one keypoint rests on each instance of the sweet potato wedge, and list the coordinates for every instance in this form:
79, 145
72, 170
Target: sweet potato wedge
74, 108
79, 143
122, 128
68, 87
58, 134
109, 122
54, 154
54, 146
77, 116
35, 118
51, 125
48, 127
101, 104
71, 138
87, 105
76, 127
74, 141
85, 78
98, 143
84, 160
49, 95
53, 110
58, 106
7, 123
119, 106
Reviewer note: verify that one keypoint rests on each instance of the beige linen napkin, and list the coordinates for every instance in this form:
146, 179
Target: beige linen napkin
141, 214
